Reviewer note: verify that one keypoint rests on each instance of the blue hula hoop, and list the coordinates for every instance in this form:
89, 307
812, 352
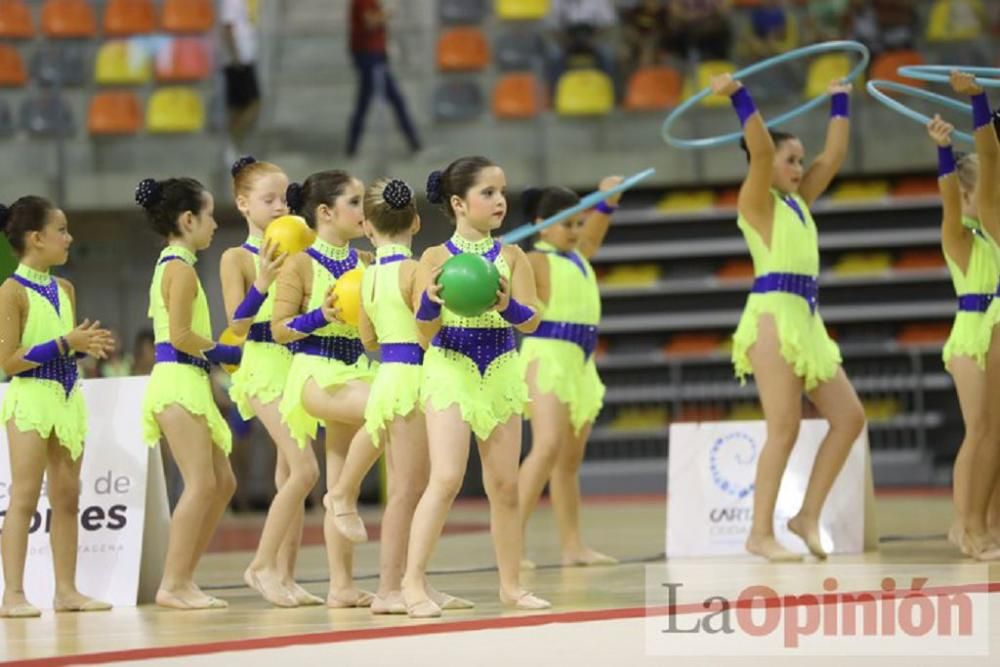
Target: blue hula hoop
873, 89
939, 73
722, 139
594, 198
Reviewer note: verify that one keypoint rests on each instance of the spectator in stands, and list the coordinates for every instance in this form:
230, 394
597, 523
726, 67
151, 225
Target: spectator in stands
368, 21
769, 29
701, 29
580, 28
144, 353
645, 26
882, 25
827, 19
239, 38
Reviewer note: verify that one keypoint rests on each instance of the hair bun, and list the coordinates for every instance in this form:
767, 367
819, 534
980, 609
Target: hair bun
4, 216
244, 161
397, 194
294, 197
147, 192
435, 185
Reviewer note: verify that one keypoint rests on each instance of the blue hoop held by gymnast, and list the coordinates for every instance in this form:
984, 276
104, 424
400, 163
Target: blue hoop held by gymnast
874, 85
722, 139
939, 73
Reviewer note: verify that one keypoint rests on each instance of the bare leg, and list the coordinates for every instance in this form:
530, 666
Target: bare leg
192, 448
565, 491
28, 458
284, 518
409, 467
549, 431
448, 447
345, 405
781, 398
837, 401
986, 461
64, 498
500, 453
970, 384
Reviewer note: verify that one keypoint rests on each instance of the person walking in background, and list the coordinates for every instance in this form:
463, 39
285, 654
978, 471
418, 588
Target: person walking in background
368, 51
238, 19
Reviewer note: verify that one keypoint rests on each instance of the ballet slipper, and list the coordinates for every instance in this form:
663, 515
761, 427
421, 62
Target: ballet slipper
525, 601
771, 549
303, 597
82, 604
347, 522
281, 597
390, 604
20, 610
809, 535
449, 602
528, 564
174, 601
423, 609
361, 600
588, 558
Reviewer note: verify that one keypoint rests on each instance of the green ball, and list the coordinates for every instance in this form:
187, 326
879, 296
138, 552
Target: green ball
469, 284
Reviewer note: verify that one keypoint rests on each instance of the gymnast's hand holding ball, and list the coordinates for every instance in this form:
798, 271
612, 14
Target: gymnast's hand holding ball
271, 260
330, 310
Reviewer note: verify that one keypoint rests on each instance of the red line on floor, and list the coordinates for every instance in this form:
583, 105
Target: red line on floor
334, 637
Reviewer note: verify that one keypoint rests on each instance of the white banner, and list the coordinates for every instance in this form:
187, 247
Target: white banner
711, 479
113, 500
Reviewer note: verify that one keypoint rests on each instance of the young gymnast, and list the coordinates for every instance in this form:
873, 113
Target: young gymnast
781, 338
43, 409
178, 404
330, 375
473, 382
248, 273
393, 415
566, 392
974, 270
985, 466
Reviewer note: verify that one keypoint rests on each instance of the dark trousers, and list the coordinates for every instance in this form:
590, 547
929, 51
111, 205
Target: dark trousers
374, 74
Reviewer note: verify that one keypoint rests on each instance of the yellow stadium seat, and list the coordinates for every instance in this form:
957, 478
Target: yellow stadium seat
585, 92
955, 20
863, 263
702, 79
854, 191
123, 63
691, 200
175, 109
521, 10
825, 69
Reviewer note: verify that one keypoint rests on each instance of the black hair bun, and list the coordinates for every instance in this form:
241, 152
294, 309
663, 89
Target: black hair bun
294, 197
530, 199
244, 161
397, 194
147, 192
4, 216
435, 186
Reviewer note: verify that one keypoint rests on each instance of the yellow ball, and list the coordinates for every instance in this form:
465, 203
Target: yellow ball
227, 337
348, 292
291, 233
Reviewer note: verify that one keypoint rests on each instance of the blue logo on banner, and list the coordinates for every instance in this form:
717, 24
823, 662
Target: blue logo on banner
732, 462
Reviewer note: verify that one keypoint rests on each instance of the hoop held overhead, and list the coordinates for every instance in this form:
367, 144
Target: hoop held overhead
722, 139
897, 106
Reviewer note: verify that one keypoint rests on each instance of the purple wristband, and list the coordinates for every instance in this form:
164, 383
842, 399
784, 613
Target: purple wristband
43, 353
981, 113
428, 311
308, 322
517, 313
224, 354
946, 161
250, 305
605, 208
743, 104
840, 105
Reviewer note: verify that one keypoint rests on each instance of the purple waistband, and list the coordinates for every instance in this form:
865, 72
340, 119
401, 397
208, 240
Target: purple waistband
62, 370
482, 345
402, 353
341, 348
584, 335
168, 354
974, 303
798, 284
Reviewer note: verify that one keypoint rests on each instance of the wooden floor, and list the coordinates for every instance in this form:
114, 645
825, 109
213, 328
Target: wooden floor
588, 602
